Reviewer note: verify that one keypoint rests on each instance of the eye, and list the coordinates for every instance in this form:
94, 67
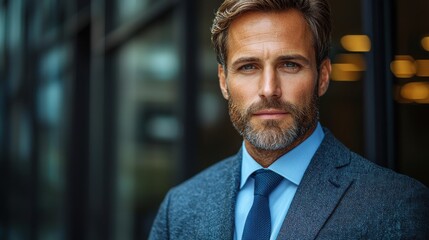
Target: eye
291, 67
247, 67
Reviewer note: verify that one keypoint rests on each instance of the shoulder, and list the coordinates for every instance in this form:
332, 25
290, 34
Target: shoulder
214, 184
377, 176
392, 190
372, 185
369, 176
397, 203
200, 206
363, 170
378, 199
210, 178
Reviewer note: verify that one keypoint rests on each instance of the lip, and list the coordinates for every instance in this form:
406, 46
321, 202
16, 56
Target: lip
270, 113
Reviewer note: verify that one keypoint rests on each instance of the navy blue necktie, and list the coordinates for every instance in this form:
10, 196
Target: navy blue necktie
258, 222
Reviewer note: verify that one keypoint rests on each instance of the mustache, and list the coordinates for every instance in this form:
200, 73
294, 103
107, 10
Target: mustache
274, 104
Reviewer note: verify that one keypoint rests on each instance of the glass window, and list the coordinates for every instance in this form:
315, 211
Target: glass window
52, 112
48, 18
149, 129
411, 68
341, 108
2, 74
20, 171
2, 37
130, 9
217, 137
14, 43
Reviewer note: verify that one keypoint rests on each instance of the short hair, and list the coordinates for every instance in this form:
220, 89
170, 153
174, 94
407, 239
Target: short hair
316, 13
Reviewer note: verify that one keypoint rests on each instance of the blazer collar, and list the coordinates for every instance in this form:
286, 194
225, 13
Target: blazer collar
321, 189
222, 200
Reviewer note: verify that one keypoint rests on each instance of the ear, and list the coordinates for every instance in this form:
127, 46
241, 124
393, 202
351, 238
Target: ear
222, 81
324, 76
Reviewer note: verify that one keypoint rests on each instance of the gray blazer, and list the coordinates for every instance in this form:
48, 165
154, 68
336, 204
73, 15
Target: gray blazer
341, 196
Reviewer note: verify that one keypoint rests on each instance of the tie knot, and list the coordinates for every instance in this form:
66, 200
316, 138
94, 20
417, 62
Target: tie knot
266, 181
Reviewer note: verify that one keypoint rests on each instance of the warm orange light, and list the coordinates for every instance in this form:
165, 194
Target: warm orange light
356, 43
425, 43
344, 72
403, 66
415, 91
356, 60
422, 67
348, 67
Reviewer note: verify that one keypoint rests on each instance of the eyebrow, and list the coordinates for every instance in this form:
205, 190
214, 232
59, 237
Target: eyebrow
296, 57
243, 60
283, 58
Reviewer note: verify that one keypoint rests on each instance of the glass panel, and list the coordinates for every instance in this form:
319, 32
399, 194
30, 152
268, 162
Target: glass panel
52, 13
341, 108
48, 22
20, 172
21, 129
52, 111
2, 85
411, 68
2, 38
215, 128
148, 126
14, 43
130, 9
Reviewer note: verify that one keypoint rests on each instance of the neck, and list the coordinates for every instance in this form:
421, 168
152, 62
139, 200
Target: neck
267, 157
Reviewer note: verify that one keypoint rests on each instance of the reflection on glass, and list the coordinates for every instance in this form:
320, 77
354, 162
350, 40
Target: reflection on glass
148, 126
15, 20
345, 72
356, 43
51, 113
407, 67
348, 67
422, 67
216, 138
129, 9
416, 92
345, 94
14, 42
425, 43
412, 92
21, 135
20, 153
403, 66
2, 36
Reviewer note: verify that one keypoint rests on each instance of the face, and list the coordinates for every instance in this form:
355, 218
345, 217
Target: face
271, 82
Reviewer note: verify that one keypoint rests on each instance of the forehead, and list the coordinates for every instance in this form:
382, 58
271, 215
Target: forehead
285, 31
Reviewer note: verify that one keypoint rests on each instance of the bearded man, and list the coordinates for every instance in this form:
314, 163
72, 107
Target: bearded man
291, 179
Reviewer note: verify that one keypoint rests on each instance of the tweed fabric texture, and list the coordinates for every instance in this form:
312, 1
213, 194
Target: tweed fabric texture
341, 196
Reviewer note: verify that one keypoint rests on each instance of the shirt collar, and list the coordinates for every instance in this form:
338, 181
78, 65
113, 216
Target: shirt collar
292, 165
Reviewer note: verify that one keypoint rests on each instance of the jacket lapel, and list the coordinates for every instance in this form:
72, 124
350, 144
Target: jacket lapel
321, 189
222, 201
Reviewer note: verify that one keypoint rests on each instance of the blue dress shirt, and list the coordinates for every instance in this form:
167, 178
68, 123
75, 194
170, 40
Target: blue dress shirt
291, 166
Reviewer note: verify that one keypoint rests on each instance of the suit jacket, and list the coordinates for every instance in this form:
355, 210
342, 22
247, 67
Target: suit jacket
341, 196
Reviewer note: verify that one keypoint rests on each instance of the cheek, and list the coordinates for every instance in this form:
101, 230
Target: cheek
242, 94
298, 92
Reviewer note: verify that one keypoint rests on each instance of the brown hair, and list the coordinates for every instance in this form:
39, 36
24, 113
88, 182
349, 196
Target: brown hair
316, 13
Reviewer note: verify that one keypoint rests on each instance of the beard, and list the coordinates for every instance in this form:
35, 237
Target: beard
271, 135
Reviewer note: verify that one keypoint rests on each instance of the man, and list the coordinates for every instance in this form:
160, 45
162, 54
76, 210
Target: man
273, 67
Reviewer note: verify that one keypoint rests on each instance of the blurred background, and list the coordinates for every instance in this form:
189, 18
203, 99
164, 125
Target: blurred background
106, 104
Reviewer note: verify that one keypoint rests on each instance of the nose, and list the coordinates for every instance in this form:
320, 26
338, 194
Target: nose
269, 85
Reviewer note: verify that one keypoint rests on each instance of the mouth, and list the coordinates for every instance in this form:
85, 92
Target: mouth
270, 114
